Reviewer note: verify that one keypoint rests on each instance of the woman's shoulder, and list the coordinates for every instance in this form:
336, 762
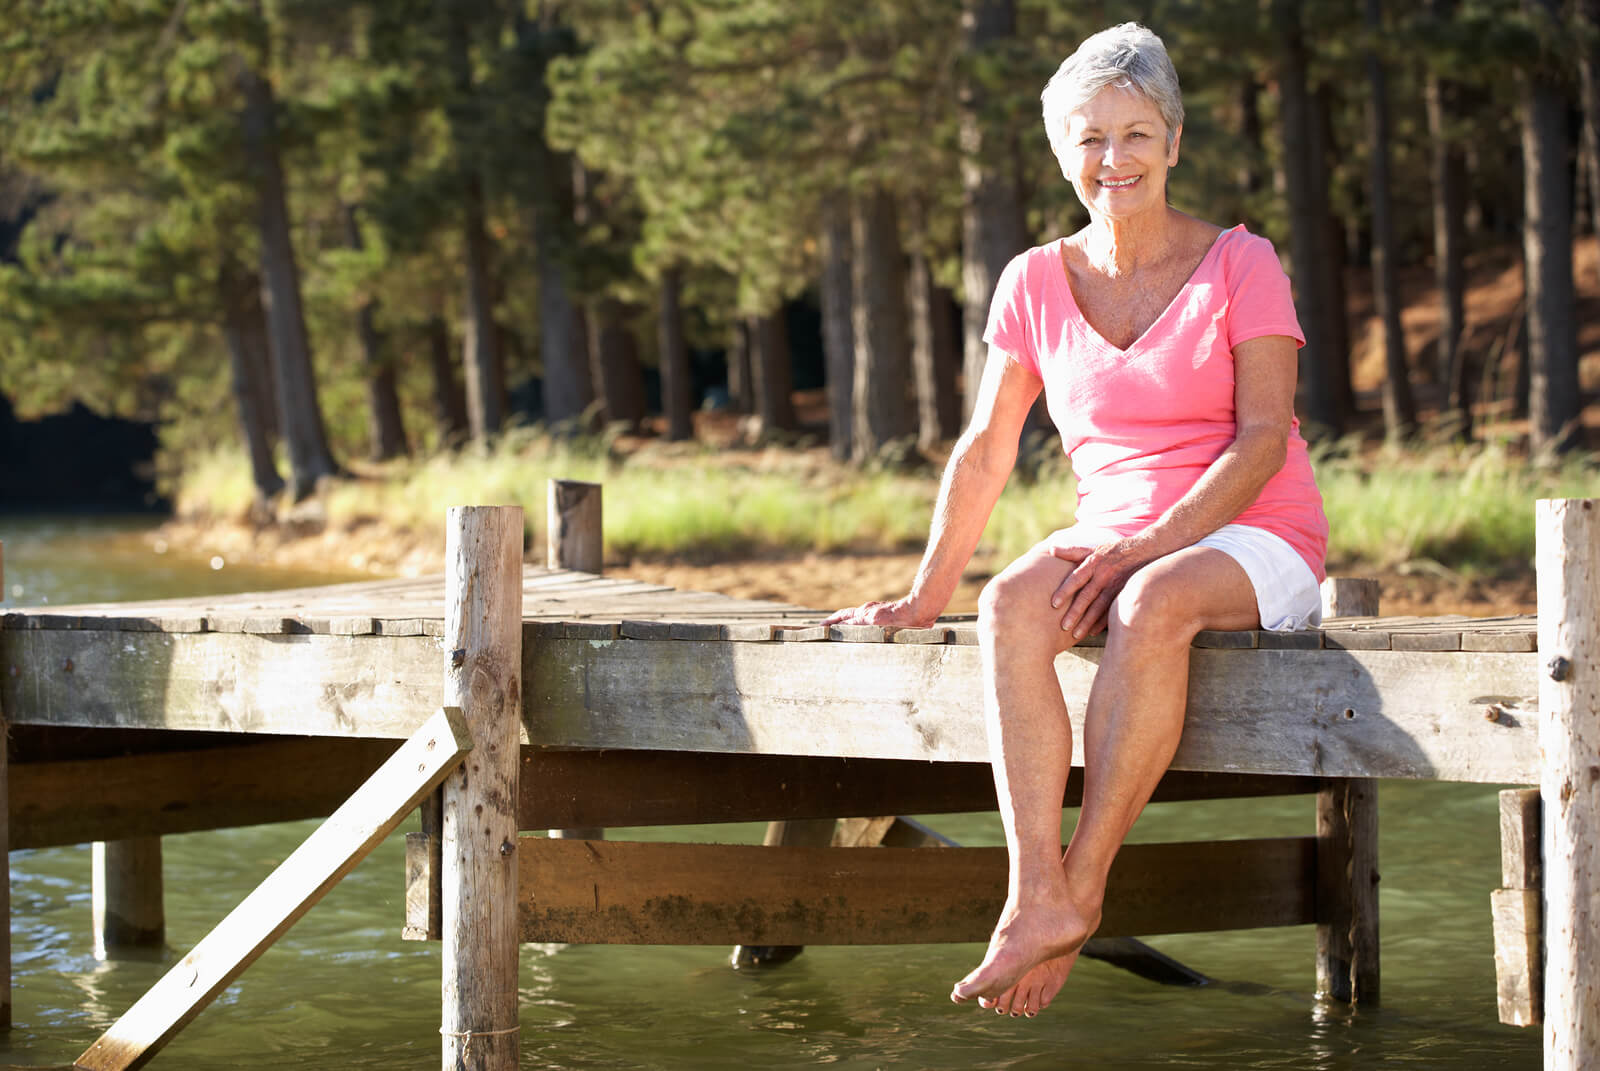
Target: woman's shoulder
1238, 245
1027, 270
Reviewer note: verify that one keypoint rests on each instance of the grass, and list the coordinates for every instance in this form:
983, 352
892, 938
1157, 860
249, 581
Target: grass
1469, 509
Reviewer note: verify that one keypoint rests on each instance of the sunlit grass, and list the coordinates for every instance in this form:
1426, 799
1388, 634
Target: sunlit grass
1467, 508
1470, 508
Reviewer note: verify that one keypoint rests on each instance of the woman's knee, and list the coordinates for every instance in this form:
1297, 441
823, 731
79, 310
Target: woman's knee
1017, 601
1155, 605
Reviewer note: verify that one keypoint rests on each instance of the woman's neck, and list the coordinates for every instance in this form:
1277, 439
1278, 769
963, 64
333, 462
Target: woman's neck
1120, 247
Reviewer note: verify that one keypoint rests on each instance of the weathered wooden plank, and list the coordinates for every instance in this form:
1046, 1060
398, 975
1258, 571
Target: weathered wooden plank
936, 634
287, 894
1426, 641
1521, 864
1412, 714
1330, 713
239, 682
1309, 640
611, 892
1518, 937
857, 633
1227, 640
1489, 640
267, 780
561, 789
1518, 956
1347, 639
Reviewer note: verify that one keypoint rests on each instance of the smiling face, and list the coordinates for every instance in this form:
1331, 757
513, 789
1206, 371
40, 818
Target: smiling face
1118, 153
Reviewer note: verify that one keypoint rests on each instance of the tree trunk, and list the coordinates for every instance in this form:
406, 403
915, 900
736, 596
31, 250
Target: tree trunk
1449, 244
244, 330
1325, 151
771, 374
1553, 402
741, 396
299, 414
1399, 410
992, 226
1252, 171
568, 386
838, 337
449, 402
883, 412
386, 428
1588, 12
1319, 402
481, 355
933, 356
677, 390
614, 363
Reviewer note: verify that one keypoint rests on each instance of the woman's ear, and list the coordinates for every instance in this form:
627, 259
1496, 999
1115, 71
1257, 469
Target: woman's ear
1172, 151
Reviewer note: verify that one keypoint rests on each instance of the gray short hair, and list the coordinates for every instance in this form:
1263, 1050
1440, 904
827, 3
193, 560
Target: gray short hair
1126, 56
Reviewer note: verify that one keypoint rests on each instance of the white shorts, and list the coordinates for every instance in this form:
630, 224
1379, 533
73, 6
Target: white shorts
1287, 593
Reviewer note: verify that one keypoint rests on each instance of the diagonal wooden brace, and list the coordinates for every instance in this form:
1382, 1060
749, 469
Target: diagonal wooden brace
330, 853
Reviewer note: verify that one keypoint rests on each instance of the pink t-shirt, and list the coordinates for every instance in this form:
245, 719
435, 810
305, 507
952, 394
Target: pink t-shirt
1141, 425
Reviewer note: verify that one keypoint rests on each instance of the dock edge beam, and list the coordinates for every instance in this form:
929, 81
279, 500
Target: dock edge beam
478, 852
1568, 561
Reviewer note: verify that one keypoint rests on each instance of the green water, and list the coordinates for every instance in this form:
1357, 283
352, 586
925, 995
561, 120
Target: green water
341, 990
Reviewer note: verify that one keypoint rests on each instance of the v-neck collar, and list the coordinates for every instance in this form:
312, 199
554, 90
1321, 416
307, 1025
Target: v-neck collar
1064, 281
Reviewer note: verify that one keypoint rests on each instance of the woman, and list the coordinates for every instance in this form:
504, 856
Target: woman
1166, 348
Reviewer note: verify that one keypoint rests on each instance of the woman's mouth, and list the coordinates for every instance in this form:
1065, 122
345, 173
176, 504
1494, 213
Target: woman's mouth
1120, 183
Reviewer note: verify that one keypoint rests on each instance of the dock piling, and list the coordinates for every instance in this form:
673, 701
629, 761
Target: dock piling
575, 540
129, 915
1567, 557
1347, 849
483, 676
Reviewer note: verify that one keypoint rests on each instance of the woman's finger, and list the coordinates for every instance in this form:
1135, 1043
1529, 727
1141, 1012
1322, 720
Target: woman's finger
1073, 582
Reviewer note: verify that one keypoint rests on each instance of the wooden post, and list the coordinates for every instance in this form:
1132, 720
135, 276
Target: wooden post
1567, 556
127, 897
1518, 957
574, 541
1347, 850
483, 676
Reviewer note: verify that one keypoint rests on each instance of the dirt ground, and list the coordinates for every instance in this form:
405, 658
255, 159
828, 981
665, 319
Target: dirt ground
831, 581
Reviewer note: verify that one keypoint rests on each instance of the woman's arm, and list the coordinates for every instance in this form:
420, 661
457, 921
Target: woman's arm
1264, 382
973, 479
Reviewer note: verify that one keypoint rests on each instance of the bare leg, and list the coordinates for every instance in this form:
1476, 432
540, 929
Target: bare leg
1132, 726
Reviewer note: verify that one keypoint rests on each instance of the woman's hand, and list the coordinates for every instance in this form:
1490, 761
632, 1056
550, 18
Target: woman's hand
1097, 577
901, 613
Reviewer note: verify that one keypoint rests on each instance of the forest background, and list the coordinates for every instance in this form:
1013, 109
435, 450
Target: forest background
359, 261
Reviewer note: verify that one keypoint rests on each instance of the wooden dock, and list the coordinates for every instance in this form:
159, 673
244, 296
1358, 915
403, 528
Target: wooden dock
636, 704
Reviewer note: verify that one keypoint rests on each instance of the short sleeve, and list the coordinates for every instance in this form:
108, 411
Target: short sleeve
1011, 320
1260, 301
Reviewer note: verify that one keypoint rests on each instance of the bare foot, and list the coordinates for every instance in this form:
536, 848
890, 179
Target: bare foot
1027, 936
1037, 989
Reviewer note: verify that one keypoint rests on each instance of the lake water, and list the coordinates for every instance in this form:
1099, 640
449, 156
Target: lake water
341, 990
